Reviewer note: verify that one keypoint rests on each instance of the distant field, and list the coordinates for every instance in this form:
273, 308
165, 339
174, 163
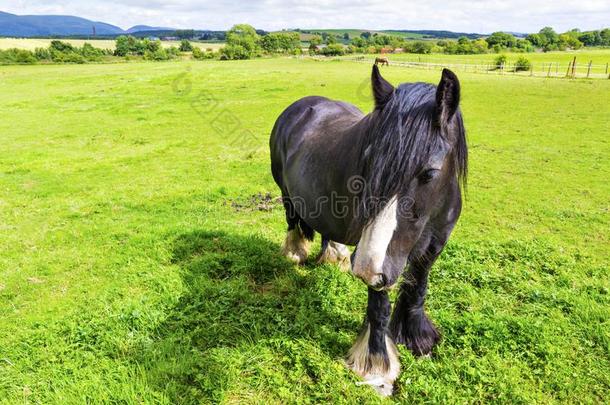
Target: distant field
353, 33
33, 43
405, 35
598, 56
558, 61
139, 263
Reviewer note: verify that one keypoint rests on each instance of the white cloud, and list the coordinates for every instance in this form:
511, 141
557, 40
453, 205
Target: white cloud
460, 15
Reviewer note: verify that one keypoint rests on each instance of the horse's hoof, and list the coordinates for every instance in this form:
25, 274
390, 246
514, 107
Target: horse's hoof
336, 253
380, 384
296, 247
296, 257
377, 370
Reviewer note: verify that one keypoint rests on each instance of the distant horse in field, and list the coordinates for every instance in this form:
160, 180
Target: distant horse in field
382, 61
388, 182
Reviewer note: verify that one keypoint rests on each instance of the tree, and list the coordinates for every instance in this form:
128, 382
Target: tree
315, 40
333, 50
185, 46
479, 46
500, 61
605, 36
346, 36
365, 35
359, 42
549, 35
234, 52
419, 47
91, 53
281, 42
524, 45
536, 39
594, 38
61, 46
569, 41
501, 38
242, 42
125, 45
523, 64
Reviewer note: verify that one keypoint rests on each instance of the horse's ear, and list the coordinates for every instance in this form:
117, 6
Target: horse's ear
382, 89
447, 96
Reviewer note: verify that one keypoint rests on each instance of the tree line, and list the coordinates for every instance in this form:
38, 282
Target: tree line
546, 40
244, 42
126, 47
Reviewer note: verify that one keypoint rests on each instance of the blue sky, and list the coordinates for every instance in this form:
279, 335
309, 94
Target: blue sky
460, 15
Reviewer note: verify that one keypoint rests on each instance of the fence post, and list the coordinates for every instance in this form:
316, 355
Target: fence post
606, 68
569, 68
556, 68
574, 67
589, 69
548, 74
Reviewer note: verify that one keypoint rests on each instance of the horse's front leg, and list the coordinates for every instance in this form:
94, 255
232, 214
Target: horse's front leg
374, 355
410, 324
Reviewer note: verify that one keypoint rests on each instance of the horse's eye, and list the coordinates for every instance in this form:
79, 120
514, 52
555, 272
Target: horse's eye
427, 176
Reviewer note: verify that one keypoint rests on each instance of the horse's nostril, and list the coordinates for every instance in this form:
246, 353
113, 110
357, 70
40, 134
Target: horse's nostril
384, 280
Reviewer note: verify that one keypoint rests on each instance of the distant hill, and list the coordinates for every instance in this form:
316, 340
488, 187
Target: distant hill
52, 25
436, 34
12, 25
406, 34
146, 28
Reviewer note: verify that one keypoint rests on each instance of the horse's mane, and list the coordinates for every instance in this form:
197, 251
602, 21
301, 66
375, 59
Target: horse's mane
401, 138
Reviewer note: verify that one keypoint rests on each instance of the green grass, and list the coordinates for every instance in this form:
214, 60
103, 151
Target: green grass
137, 267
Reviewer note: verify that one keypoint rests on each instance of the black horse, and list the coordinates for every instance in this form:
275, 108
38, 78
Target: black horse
388, 182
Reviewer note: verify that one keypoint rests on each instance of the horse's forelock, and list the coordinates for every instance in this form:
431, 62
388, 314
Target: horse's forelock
401, 138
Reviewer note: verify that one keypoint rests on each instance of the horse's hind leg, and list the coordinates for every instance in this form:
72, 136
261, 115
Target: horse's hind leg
374, 356
410, 325
334, 252
296, 244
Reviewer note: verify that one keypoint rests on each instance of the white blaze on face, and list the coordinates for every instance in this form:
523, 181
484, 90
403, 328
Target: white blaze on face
371, 250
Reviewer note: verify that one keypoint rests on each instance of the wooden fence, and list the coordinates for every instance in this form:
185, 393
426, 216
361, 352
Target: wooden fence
574, 69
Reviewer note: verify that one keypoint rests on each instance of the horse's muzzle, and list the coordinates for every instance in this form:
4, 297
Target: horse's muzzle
377, 281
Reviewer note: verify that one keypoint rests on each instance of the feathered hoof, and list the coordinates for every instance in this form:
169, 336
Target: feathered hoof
336, 253
296, 247
382, 385
379, 370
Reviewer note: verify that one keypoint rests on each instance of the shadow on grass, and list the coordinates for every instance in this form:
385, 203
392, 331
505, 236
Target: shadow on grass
251, 326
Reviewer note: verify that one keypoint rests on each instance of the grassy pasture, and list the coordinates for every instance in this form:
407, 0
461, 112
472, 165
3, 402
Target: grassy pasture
559, 61
353, 33
33, 43
139, 259
598, 56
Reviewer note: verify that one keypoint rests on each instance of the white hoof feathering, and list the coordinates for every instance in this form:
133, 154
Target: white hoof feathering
296, 247
336, 253
372, 367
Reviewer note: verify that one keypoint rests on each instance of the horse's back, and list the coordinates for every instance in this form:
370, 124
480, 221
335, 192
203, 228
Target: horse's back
306, 118
314, 111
